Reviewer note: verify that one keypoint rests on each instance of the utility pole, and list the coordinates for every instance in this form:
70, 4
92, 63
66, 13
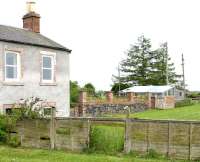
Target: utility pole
167, 75
183, 69
119, 80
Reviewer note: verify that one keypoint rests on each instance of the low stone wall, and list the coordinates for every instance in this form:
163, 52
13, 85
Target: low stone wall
102, 109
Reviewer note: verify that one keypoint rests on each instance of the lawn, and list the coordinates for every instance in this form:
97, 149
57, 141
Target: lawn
182, 113
8, 154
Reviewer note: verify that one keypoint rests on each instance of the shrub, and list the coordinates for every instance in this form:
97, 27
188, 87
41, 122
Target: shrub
14, 141
106, 139
7, 123
186, 102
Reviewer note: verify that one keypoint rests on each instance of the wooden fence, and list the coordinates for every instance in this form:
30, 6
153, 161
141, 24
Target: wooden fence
175, 139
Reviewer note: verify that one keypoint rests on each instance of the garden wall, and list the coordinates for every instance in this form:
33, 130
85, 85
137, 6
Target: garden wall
91, 106
175, 139
103, 109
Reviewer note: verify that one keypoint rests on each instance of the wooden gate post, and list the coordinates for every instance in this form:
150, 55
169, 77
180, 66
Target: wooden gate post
52, 127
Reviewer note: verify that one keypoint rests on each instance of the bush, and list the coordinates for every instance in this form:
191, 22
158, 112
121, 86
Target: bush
186, 102
14, 141
106, 139
7, 123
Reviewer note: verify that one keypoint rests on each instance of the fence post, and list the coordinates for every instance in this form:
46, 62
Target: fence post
168, 140
89, 127
147, 135
52, 128
127, 140
190, 140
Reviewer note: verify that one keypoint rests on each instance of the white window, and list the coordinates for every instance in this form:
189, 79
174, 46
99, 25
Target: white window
48, 68
12, 66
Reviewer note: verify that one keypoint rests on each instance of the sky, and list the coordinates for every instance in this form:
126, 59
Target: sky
99, 32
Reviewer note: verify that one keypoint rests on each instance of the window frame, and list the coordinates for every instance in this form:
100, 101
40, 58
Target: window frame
53, 63
18, 66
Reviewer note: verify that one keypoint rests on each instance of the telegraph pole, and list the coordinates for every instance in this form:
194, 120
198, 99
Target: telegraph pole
119, 80
167, 77
183, 69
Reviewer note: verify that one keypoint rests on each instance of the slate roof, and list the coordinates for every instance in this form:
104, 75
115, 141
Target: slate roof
151, 89
22, 36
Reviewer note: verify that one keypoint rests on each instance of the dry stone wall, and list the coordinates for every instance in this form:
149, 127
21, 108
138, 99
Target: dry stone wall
103, 109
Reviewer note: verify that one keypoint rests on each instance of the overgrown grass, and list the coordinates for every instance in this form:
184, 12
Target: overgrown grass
182, 113
8, 154
106, 139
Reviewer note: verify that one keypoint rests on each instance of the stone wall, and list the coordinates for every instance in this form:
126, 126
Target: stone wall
91, 106
103, 109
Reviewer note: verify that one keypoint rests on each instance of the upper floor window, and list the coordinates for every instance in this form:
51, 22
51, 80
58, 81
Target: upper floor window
48, 68
12, 66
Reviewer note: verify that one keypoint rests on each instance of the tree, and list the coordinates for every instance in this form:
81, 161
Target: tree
162, 67
115, 87
136, 67
74, 92
89, 87
144, 66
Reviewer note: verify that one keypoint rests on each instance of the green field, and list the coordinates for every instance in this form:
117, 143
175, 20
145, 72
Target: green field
182, 113
8, 154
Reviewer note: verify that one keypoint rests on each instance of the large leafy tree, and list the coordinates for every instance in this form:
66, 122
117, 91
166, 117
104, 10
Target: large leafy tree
89, 87
144, 66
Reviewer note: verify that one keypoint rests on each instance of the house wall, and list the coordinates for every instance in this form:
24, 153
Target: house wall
30, 83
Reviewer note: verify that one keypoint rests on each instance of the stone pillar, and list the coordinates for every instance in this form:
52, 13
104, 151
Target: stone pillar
130, 96
82, 102
82, 97
109, 96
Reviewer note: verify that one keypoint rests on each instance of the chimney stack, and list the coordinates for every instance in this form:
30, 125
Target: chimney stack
31, 21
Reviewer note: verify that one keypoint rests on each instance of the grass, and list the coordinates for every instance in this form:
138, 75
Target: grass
182, 113
8, 154
107, 139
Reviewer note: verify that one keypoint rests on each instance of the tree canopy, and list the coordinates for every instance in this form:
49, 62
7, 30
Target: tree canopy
144, 66
89, 87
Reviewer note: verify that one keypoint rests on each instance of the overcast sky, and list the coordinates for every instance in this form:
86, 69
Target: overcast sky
100, 31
